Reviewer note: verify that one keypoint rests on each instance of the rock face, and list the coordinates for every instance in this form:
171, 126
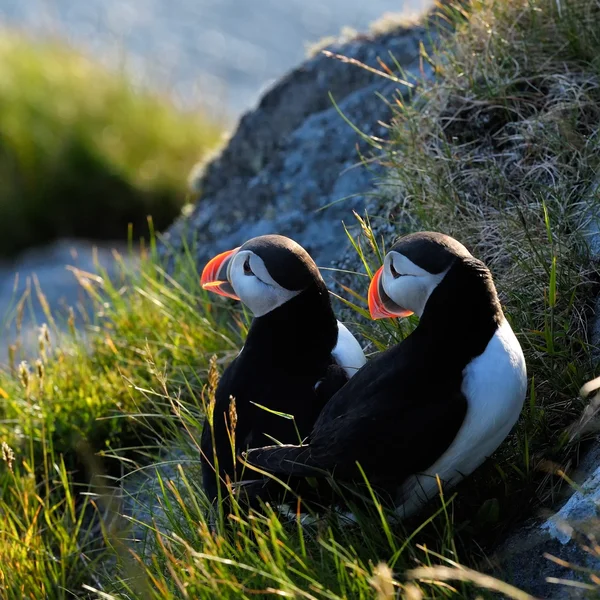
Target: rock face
525, 558
294, 155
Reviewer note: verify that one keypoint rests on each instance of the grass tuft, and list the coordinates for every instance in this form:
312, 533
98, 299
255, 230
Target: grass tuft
502, 152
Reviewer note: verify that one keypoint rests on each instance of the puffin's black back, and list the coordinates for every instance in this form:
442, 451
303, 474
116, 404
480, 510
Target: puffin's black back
402, 410
287, 351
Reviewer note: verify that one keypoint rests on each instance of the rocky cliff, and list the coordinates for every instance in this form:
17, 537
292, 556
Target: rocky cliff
294, 165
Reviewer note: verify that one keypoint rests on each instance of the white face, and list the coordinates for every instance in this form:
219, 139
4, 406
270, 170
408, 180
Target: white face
406, 284
254, 286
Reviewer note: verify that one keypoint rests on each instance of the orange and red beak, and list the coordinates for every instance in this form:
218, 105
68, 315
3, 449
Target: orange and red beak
214, 276
381, 305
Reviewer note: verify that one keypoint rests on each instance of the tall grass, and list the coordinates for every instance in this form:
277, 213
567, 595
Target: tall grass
132, 522
144, 322
502, 153
91, 395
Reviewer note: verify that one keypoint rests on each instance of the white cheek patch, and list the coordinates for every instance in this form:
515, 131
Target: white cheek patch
271, 300
405, 266
414, 286
259, 291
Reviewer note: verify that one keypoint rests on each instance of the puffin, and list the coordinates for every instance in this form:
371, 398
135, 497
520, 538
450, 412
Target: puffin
435, 405
295, 356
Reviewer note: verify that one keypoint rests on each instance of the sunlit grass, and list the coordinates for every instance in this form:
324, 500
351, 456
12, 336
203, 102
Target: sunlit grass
45, 544
137, 396
144, 323
95, 393
501, 152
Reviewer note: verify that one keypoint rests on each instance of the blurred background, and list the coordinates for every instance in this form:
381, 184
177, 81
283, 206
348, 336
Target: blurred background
223, 52
106, 105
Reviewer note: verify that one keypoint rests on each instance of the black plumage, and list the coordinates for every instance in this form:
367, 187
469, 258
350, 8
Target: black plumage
404, 408
287, 352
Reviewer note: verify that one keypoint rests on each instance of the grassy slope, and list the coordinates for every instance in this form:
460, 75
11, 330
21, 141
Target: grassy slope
82, 153
504, 153
513, 191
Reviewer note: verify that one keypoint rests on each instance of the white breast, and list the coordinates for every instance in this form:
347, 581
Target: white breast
347, 353
495, 384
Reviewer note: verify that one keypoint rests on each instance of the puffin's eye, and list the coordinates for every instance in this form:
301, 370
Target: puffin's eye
393, 271
247, 269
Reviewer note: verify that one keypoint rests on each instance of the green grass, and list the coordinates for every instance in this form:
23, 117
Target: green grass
501, 152
83, 153
143, 323
77, 398
138, 397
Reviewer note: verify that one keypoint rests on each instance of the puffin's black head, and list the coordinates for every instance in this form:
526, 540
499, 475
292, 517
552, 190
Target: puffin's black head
263, 273
411, 270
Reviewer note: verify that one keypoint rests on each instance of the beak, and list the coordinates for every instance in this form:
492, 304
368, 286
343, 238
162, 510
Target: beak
214, 276
380, 304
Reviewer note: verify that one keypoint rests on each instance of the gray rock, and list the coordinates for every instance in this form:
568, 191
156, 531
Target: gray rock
49, 267
138, 491
292, 166
525, 563
525, 557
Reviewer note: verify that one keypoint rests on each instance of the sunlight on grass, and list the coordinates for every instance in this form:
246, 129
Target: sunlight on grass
137, 317
45, 542
502, 153
148, 327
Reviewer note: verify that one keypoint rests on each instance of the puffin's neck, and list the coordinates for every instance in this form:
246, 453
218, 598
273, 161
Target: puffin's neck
303, 326
463, 312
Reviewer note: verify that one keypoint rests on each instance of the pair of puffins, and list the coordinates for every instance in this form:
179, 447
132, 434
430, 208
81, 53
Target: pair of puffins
435, 405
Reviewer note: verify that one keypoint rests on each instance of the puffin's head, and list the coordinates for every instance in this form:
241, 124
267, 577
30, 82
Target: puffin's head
411, 270
264, 273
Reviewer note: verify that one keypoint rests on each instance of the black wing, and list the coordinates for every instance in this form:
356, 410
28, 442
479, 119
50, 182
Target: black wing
284, 460
335, 378
275, 391
394, 441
